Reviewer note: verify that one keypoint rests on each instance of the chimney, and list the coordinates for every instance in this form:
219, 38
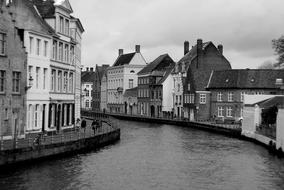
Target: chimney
220, 48
87, 69
92, 69
137, 48
120, 52
199, 52
186, 47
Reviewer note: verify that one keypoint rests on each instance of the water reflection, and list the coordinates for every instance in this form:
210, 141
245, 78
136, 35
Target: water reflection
157, 157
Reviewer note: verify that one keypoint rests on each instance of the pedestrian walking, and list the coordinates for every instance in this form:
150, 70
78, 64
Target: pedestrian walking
95, 124
83, 125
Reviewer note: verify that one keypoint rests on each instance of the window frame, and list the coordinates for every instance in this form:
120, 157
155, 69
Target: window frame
16, 85
2, 81
3, 44
202, 98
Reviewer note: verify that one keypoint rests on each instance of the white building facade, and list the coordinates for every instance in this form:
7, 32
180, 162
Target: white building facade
122, 76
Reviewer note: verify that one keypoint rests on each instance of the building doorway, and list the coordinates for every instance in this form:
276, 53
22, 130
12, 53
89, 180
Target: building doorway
152, 111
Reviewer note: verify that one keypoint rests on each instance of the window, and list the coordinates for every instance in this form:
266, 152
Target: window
191, 98
53, 85
242, 96
229, 111
202, 98
220, 111
2, 80
87, 103
44, 78
31, 45
54, 50
16, 82
60, 55
36, 116
65, 81
219, 96
37, 77
61, 24
38, 44
230, 96
67, 27
188, 86
2, 44
59, 81
71, 82
88, 93
178, 87
72, 54
66, 53
45, 48
130, 83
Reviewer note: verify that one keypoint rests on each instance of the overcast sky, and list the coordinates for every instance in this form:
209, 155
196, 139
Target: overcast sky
244, 27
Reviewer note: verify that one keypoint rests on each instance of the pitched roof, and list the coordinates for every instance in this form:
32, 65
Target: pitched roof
88, 76
159, 64
124, 59
189, 56
132, 92
167, 73
245, 79
46, 8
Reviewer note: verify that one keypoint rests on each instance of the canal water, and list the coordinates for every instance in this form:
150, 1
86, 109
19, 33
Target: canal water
151, 156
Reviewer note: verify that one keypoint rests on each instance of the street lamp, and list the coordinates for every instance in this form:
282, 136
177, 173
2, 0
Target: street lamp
30, 83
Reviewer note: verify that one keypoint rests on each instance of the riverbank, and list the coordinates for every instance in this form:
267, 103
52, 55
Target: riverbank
56, 145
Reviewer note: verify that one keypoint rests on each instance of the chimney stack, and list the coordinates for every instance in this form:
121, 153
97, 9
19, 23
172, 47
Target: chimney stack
120, 52
92, 69
87, 69
137, 48
199, 44
220, 48
186, 47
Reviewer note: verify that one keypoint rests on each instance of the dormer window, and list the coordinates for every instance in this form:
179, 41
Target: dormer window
279, 81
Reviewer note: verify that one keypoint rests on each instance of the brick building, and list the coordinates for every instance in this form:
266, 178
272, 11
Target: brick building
228, 88
150, 87
191, 75
13, 76
96, 96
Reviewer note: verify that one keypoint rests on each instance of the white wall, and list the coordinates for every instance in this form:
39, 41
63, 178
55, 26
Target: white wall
168, 86
280, 129
248, 125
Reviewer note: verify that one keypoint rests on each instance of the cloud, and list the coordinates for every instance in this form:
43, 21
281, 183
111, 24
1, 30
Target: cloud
244, 27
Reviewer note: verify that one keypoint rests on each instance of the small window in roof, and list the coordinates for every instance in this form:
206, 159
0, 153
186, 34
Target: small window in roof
132, 71
227, 80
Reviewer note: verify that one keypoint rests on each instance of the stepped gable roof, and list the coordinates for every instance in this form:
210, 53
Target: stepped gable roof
88, 76
132, 92
124, 59
156, 64
245, 79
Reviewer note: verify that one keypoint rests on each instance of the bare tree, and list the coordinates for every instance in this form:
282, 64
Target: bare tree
278, 46
267, 65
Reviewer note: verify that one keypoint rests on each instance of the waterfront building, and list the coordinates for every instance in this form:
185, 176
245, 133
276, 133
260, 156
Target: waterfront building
130, 97
96, 95
104, 84
228, 88
122, 76
87, 82
13, 76
191, 75
150, 86
52, 39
